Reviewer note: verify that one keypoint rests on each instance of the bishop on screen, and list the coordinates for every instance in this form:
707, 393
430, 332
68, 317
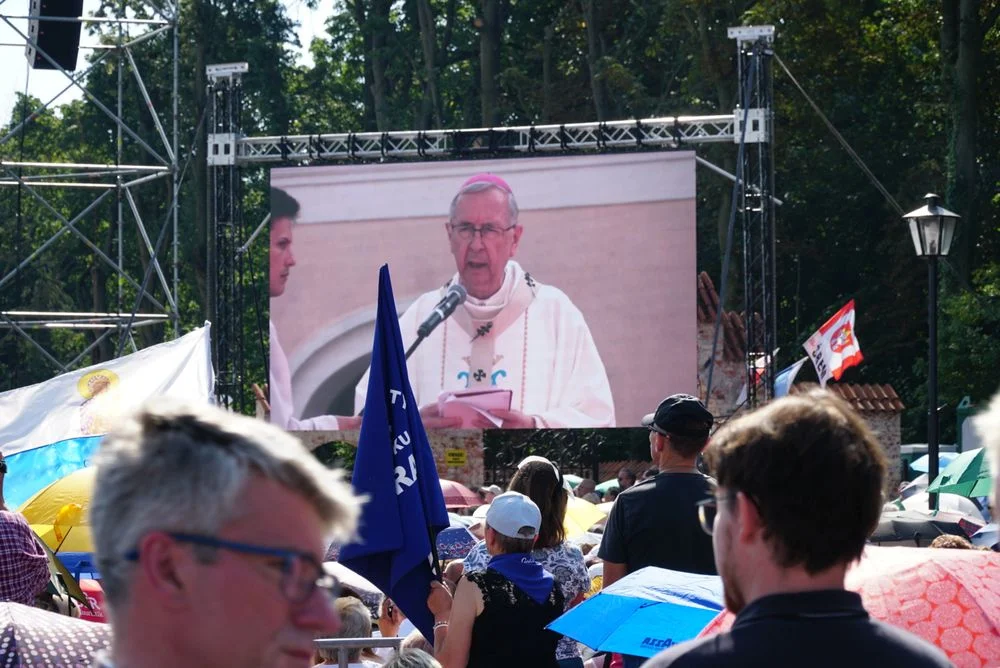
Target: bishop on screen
512, 332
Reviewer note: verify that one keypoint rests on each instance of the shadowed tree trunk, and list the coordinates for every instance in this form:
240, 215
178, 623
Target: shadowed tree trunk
595, 58
717, 54
962, 30
199, 169
548, 94
431, 112
373, 24
381, 29
490, 35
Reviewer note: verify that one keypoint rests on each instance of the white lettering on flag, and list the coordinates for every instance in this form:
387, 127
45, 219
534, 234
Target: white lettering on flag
396, 393
401, 441
402, 480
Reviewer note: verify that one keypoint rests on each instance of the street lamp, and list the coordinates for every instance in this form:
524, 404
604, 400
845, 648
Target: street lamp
932, 228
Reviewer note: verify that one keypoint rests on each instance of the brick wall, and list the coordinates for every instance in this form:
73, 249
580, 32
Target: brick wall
887, 428
727, 378
610, 470
468, 443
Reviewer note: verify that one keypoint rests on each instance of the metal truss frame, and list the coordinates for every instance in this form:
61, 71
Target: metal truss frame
756, 207
40, 174
664, 132
227, 260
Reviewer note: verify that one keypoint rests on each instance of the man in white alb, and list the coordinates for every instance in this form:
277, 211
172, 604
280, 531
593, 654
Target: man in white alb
284, 209
512, 332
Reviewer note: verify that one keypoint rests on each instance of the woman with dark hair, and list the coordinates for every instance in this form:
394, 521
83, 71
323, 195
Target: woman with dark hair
540, 480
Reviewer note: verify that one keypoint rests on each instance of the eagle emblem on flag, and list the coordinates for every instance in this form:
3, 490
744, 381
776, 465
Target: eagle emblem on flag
841, 339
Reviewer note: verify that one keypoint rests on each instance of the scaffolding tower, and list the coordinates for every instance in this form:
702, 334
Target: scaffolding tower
226, 260
146, 288
755, 205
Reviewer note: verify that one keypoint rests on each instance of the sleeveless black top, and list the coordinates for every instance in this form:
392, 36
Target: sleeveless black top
511, 629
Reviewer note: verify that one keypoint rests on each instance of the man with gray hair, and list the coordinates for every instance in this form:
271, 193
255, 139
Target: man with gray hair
210, 530
511, 333
355, 622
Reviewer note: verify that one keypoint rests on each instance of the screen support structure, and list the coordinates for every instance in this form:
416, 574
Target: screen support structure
226, 258
144, 294
756, 206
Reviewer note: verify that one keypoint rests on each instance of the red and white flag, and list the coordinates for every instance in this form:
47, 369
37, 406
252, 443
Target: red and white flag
835, 347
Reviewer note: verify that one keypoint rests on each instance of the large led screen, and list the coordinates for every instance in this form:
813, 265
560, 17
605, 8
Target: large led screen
579, 273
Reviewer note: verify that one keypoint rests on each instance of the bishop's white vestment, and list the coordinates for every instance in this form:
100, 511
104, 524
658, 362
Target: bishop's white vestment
528, 338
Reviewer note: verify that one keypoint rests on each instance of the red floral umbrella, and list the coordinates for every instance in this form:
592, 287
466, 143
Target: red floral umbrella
457, 495
948, 597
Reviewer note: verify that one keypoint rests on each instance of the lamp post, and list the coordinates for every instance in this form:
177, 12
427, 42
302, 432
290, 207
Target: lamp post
932, 228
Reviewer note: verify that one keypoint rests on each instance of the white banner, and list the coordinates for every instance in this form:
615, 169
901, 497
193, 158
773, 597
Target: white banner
87, 402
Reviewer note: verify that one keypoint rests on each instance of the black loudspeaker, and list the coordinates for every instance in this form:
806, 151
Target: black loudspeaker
59, 39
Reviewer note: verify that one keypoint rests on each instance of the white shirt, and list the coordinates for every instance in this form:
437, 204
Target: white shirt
282, 410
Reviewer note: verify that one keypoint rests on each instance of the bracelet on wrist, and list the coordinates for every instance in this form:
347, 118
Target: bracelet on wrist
440, 625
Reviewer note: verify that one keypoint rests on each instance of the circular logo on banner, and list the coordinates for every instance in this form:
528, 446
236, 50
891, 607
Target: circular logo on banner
841, 339
93, 383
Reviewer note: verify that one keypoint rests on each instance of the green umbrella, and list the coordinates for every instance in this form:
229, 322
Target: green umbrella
967, 475
606, 485
573, 480
60, 575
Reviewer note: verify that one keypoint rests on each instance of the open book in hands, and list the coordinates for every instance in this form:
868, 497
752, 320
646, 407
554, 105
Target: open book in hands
468, 404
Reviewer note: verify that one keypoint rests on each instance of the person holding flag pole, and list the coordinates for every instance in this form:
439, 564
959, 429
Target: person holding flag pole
394, 468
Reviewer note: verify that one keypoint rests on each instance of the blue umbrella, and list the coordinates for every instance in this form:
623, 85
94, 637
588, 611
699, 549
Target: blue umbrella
644, 612
922, 464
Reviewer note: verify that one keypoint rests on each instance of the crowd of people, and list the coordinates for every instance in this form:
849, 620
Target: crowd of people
211, 529
220, 560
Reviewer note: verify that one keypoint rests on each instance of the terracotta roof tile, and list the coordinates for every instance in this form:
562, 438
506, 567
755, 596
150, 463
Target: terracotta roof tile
733, 327
864, 398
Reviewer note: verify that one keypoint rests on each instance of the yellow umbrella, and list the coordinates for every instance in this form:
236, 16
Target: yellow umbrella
580, 516
58, 513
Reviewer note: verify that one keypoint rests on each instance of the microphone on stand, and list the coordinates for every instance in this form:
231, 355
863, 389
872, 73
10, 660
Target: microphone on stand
455, 296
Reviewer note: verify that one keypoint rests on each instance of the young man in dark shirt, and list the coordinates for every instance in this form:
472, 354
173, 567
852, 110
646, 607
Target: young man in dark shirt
782, 563
655, 522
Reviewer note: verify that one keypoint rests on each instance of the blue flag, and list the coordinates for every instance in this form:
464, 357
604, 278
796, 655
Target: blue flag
783, 381
394, 467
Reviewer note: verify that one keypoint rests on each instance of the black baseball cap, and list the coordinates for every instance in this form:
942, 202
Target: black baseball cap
681, 414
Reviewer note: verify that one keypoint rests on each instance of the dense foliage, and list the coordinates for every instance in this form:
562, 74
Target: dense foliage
910, 84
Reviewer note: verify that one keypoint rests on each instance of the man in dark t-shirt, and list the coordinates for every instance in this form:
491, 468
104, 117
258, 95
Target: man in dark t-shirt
655, 523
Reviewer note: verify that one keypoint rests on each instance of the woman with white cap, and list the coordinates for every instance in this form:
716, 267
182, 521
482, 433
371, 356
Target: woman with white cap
498, 616
540, 480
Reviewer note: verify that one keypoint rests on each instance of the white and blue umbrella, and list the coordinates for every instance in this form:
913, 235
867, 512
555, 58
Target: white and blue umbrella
644, 612
988, 536
923, 464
